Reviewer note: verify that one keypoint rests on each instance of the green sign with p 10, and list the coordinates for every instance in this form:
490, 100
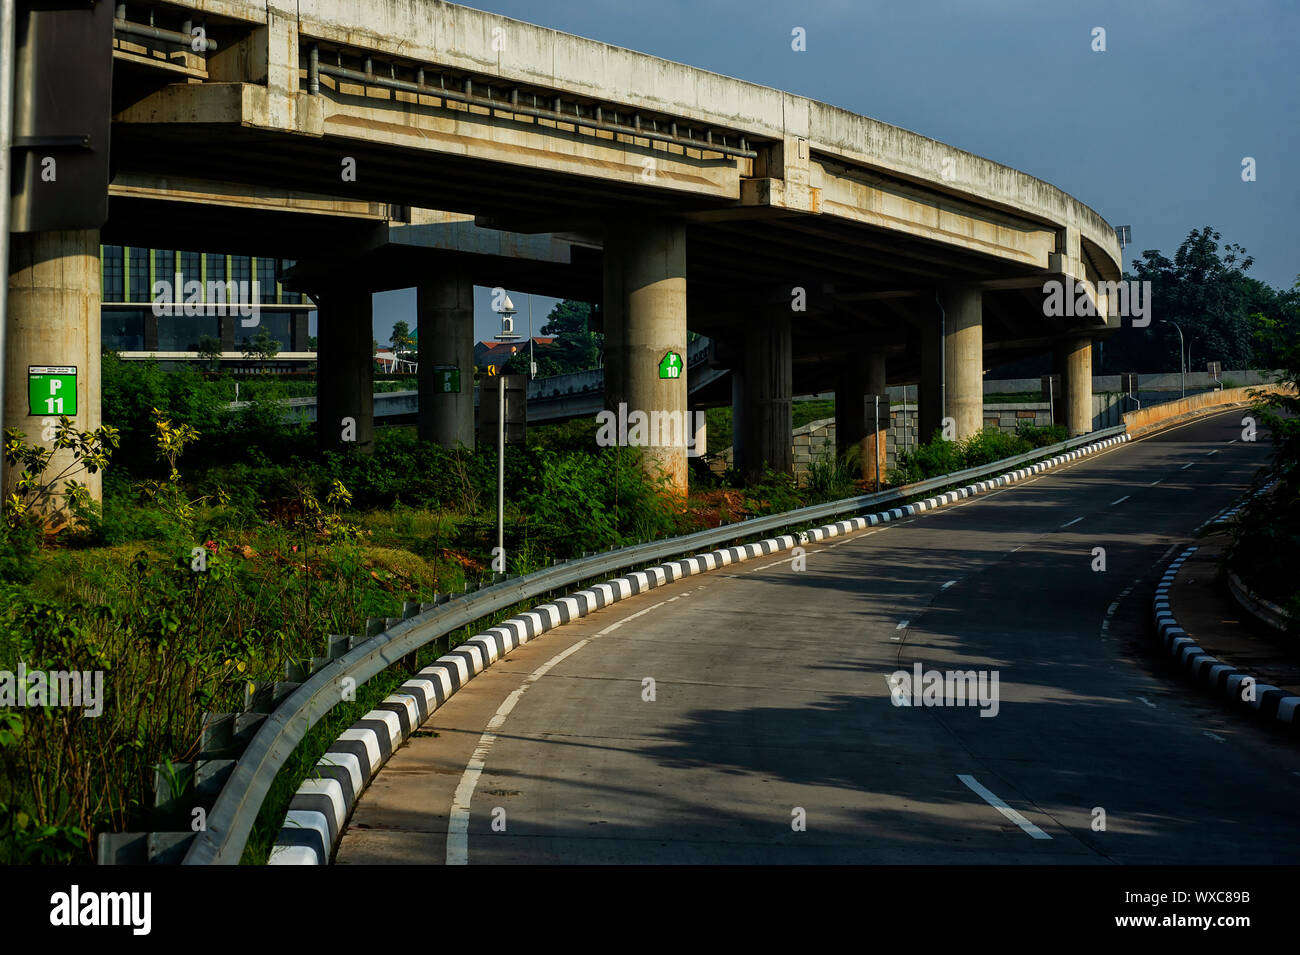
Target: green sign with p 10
51, 389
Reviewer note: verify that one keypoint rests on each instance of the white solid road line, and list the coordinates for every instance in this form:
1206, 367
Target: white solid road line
458, 821
1068, 523
1121, 500
1147, 702
1000, 806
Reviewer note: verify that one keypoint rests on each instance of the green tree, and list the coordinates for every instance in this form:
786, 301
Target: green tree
210, 351
1266, 546
261, 347
1205, 290
401, 339
547, 365
576, 347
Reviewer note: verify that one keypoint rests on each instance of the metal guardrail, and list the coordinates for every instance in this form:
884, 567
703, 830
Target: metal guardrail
232, 817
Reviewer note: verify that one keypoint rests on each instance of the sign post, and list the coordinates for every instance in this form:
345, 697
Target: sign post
508, 416
1052, 390
1129, 385
501, 466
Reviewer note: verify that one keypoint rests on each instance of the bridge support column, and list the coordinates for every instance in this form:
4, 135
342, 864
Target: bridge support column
345, 367
1074, 359
645, 341
855, 418
445, 320
53, 320
762, 431
952, 364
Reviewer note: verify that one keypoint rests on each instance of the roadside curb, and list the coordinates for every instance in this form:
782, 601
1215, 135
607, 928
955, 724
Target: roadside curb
1208, 671
319, 810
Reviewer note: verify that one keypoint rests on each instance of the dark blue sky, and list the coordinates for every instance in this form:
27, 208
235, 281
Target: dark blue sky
1150, 133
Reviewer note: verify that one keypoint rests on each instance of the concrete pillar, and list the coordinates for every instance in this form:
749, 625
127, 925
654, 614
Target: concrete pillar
855, 417
344, 370
645, 321
952, 364
767, 383
226, 324
53, 320
1076, 385
445, 320
298, 332
738, 410
150, 331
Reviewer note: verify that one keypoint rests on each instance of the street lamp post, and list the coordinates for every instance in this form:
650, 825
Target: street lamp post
1182, 365
507, 313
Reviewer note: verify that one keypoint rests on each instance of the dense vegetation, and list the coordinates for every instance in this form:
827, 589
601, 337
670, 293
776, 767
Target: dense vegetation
938, 457
1206, 290
1266, 545
227, 546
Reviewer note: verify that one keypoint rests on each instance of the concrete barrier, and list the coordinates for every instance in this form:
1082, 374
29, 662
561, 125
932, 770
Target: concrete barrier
1171, 412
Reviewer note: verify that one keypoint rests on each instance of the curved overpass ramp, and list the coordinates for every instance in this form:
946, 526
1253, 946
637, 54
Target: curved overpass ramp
771, 696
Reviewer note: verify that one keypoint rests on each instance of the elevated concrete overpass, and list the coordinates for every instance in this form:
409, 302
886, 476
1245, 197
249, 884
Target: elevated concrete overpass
432, 145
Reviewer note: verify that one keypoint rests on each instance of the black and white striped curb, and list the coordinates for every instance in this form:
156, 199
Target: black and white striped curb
1220, 678
319, 810
1226, 515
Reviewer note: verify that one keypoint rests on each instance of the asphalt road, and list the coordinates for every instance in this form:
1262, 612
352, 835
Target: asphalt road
771, 697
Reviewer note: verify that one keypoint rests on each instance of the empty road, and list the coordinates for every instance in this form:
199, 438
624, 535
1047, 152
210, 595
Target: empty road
772, 735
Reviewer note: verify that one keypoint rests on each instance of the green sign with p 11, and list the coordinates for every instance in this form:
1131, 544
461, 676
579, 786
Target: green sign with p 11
51, 389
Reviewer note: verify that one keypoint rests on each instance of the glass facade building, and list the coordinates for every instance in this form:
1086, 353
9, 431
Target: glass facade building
177, 325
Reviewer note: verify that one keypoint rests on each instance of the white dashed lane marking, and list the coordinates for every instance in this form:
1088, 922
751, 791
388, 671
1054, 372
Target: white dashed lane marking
990, 798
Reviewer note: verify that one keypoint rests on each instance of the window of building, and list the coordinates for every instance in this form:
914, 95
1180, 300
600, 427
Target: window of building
164, 265
191, 271
180, 333
266, 276
113, 274
241, 271
137, 274
122, 329
277, 325
216, 268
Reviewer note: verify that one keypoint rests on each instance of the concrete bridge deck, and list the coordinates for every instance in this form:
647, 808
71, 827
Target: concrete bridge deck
403, 143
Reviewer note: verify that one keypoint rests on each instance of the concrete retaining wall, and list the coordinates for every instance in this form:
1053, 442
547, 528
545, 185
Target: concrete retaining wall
815, 441
1160, 415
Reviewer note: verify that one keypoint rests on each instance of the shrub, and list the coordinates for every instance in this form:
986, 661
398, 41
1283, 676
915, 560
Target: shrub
1041, 437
